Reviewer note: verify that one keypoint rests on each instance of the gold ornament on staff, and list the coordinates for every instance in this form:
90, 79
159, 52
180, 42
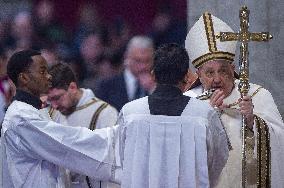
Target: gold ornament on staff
244, 36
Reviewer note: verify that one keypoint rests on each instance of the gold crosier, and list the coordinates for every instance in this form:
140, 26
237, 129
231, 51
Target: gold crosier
244, 36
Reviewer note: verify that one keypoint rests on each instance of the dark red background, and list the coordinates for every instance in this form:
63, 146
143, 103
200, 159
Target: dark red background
138, 13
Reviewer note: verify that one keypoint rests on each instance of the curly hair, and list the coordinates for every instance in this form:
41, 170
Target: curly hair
20, 62
171, 63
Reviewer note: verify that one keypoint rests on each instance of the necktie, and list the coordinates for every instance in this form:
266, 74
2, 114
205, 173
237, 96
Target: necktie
139, 92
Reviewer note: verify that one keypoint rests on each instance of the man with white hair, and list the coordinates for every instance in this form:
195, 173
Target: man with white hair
217, 83
125, 87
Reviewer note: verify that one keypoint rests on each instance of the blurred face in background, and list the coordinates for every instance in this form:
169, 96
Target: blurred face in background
217, 74
45, 12
22, 26
50, 56
91, 48
22, 31
139, 60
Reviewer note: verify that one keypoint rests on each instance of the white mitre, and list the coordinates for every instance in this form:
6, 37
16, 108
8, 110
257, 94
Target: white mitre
202, 45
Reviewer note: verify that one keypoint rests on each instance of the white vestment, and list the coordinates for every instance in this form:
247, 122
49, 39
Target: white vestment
33, 148
90, 112
265, 108
187, 151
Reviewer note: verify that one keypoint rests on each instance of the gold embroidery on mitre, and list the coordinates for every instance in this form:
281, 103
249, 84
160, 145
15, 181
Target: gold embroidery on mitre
198, 62
209, 29
213, 53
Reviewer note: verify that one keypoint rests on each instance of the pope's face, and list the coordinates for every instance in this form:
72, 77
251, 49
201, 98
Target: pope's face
39, 78
217, 74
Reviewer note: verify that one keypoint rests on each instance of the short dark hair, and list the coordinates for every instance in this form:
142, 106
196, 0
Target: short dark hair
171, 63
62, 75
20, 62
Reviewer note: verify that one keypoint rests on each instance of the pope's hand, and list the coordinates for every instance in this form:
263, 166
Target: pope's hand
216, 100
246, 109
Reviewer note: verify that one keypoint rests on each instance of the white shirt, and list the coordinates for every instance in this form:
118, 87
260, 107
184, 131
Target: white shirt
130, 83
33, 148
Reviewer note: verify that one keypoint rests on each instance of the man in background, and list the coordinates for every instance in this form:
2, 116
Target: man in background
74, 106
125, 87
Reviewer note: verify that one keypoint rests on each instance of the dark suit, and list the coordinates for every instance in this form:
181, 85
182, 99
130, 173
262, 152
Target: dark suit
113, 91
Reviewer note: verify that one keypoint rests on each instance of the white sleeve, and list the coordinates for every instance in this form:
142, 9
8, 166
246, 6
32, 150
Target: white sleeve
217, 147
76, 148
